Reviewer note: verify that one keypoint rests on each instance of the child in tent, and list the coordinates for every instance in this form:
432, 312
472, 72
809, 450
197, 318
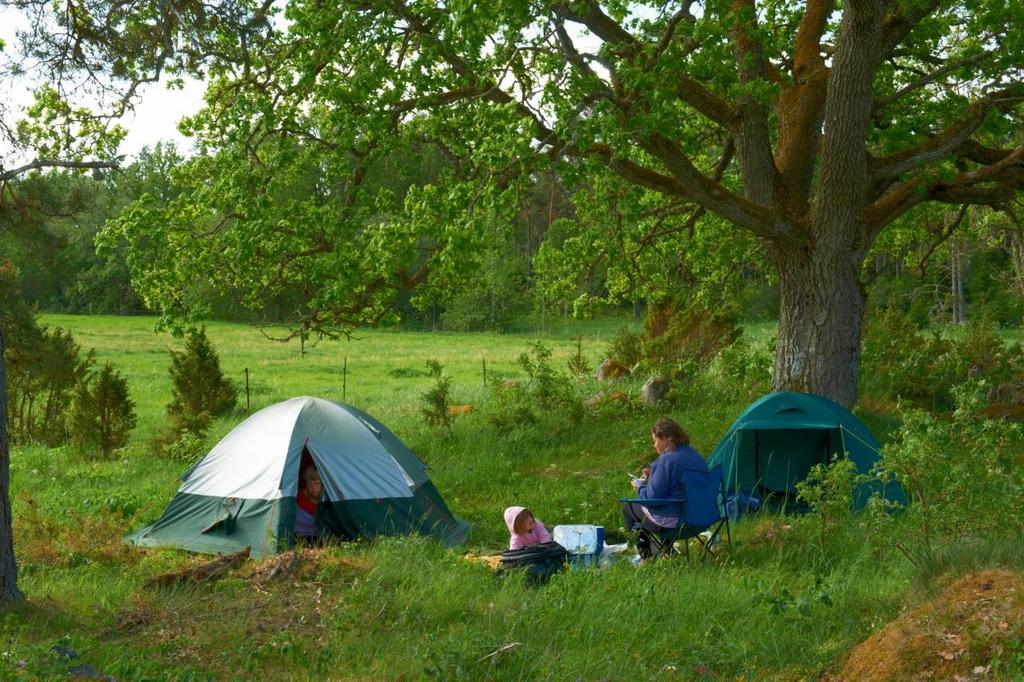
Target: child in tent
524, 528
306, 501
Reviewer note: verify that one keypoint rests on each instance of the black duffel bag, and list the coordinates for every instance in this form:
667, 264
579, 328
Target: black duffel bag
539, 561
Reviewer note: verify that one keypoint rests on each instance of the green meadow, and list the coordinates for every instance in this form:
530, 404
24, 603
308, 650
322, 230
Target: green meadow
786, 601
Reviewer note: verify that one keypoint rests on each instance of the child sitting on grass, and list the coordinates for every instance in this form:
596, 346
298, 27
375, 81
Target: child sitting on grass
524, 528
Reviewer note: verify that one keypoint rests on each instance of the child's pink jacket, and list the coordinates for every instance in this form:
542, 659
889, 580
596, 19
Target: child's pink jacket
517, 541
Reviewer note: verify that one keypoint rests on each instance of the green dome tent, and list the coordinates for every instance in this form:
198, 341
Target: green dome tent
780, 436
242, 493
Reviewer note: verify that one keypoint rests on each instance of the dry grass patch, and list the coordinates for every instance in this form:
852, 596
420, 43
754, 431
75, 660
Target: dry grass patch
769, 532
261, 615
41, 539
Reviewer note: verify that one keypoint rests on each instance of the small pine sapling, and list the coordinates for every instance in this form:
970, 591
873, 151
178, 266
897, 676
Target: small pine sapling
578, 365
200, 390
436, 399
104, 414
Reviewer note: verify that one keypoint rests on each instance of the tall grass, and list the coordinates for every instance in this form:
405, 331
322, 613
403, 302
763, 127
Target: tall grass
781, 604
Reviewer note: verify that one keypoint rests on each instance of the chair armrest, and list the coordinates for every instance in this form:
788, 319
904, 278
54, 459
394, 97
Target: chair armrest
651, 501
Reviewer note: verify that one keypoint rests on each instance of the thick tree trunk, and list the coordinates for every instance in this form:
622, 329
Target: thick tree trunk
822, 307
820, 321
8, 568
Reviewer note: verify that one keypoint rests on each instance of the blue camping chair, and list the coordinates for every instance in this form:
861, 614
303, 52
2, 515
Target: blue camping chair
701, 509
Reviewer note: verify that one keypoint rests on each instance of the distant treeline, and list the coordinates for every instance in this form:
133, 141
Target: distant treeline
531, 272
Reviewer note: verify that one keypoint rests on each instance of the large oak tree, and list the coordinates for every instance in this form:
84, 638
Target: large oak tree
806, 126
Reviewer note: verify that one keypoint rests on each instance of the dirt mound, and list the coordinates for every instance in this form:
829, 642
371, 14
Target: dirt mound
304, 563
956, 636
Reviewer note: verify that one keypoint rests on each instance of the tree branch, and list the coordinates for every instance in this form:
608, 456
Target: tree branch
56, 163
899, 24
944, 234
698, 212
713, 196
936, 147
753, 140
688, 90
925, 80
670, 28
800, 109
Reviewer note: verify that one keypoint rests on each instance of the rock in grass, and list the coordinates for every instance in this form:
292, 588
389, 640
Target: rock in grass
655, 389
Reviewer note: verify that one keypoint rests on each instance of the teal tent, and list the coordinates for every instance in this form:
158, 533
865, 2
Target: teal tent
242, 493
780, 436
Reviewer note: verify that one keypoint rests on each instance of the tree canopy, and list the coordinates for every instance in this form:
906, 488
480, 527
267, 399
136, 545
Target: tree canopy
806, 126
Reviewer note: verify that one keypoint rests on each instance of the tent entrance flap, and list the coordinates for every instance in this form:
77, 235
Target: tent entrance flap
775, 460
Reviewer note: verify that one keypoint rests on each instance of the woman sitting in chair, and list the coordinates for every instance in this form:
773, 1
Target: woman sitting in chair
663, 479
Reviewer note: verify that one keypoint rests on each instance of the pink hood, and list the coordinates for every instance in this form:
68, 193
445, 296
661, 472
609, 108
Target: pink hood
517, 541
510, 517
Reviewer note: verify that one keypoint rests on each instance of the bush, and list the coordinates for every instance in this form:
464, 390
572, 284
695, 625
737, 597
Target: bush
682, 341
200, 390
904, 293
626, 347
435, 401
548, 388
962, 478
492, 300
103, 414
186, 446
758, 300
578, 366
43, 368
828, 491
898, 362
746, 369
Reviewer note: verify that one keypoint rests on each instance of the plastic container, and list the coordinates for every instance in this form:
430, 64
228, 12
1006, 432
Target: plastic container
584, 543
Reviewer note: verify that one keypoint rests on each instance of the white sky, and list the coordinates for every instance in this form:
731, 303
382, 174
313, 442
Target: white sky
157, 110
157, 115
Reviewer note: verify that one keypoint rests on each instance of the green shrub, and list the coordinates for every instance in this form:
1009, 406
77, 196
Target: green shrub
43, 368
828, 492
684, 341
548, 388
988, 290
903, 293
898, 362
962, 476
200, 390
577, 363
748, 370
436, 400
626, 347
758, 300
103, 413
492, 300
186, 446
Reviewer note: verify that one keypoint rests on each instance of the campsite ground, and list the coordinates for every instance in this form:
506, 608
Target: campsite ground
786, 602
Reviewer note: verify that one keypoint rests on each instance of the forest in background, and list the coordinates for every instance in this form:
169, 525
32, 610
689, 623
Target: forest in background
954, 267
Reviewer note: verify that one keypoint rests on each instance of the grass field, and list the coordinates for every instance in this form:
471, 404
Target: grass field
782, 604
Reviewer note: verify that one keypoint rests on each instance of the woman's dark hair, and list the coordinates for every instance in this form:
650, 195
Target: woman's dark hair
671, 431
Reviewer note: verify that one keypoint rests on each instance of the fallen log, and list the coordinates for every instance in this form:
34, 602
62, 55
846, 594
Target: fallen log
211, 570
